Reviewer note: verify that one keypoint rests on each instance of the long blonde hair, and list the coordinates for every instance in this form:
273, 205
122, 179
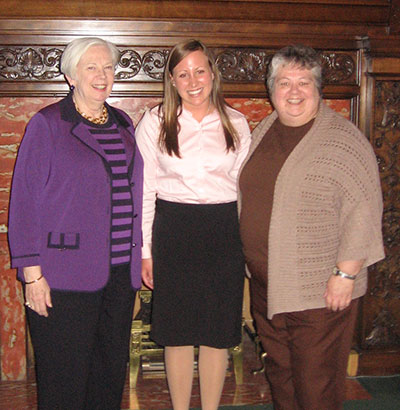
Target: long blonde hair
171, 107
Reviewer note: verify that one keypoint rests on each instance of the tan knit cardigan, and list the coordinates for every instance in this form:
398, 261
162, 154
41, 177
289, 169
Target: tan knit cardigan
327, 208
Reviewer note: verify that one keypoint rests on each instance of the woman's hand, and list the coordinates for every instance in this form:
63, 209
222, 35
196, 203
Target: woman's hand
147, 272
37, 294
338, 293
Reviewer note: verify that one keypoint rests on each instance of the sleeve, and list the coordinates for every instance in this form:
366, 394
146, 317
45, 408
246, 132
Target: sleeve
243, 130
361, 208
31, 174
147, 132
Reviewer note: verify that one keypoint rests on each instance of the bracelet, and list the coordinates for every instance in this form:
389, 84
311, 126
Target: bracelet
338, 272
34, 281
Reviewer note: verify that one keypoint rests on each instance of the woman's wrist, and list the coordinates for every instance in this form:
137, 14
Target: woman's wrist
34, 281
32, 274
349, 269
338, 272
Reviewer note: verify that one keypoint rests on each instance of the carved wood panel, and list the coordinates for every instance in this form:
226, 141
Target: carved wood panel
237, 65
381, 318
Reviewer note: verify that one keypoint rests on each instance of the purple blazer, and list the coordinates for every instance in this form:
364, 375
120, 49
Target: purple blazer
60, 207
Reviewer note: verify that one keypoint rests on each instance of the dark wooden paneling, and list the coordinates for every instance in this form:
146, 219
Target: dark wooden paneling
394, 21
158, 32
372, 12
379, 333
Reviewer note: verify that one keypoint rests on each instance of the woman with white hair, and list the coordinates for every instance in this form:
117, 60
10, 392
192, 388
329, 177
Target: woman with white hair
75, 234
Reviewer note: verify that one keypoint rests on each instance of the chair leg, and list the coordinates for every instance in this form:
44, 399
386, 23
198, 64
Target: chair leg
134, 363
135, 352
237, 358
261, 355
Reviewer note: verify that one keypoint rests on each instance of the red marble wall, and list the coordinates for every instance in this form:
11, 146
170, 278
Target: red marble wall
14, 114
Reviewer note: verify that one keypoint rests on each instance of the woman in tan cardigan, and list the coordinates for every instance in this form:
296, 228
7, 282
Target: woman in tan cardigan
310, 214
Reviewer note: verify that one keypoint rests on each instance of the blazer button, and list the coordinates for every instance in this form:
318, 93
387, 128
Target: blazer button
133, 245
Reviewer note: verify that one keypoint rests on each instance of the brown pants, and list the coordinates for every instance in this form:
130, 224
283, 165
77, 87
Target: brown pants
307, 353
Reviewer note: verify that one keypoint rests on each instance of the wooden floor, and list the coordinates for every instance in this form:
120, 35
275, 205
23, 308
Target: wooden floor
152, 393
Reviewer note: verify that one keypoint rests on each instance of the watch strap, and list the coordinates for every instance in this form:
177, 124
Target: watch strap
338, 272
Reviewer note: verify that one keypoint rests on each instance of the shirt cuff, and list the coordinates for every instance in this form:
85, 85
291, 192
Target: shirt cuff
146, 251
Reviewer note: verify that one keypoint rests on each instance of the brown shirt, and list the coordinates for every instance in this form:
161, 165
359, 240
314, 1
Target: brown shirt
257, 183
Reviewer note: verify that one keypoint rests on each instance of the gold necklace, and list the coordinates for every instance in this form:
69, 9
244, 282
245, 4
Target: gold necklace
101, 120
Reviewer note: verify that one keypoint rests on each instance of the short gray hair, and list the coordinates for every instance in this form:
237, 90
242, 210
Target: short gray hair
296, 55
77, 48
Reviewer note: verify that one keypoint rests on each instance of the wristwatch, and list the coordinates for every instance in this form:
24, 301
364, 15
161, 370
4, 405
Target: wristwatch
338, 272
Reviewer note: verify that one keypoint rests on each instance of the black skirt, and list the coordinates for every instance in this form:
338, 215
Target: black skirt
198, 268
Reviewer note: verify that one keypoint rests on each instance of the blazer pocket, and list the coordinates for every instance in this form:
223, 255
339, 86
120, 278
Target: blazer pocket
63, 240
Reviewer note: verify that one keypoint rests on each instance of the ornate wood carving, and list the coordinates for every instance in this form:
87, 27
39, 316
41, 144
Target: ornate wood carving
250, 65
154, 63
236, 64
338, 68
29, 63
130, 62
382, 303
247, 65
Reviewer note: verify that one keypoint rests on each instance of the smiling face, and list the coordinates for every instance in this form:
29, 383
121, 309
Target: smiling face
193, 80
93, 79
295, 95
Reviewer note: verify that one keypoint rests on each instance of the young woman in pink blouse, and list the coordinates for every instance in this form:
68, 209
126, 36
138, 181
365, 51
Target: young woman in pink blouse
193, 145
